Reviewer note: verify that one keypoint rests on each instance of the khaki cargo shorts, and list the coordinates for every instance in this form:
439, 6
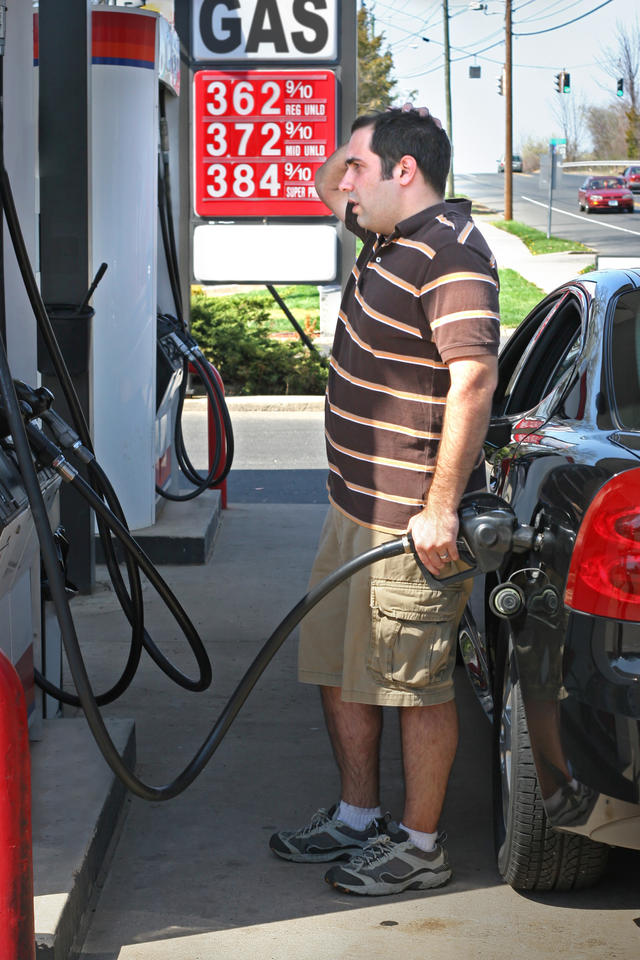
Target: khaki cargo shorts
383, 636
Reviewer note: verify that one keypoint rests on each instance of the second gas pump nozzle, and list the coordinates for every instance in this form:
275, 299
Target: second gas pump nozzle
489, 531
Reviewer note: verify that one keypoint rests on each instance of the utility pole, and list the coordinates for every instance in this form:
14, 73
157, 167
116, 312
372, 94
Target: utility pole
447, 90
508, 98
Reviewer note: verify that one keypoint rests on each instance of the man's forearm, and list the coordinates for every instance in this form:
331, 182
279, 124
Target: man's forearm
467, 413
465, 426
327, 180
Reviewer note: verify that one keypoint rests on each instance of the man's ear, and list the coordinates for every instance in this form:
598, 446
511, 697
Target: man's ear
408, 168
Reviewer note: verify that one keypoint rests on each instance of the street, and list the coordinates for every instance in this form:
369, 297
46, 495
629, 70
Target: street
610, 234
193, 879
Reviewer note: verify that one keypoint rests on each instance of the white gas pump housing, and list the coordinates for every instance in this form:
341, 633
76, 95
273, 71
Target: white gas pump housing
19, 556
133, 51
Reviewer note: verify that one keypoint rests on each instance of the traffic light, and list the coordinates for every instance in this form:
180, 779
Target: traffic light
620, 90
500, 81
566, 82
559, 81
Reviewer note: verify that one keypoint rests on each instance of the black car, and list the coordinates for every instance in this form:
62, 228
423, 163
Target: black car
552, 641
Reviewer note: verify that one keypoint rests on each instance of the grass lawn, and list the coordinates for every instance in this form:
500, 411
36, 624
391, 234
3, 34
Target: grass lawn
303, 301
537, 241
517, 297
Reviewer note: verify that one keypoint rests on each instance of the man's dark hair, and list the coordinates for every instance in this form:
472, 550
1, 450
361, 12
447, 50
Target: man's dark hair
397, 133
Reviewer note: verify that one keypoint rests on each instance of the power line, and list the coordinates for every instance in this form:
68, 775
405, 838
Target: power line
545, 13
535, 33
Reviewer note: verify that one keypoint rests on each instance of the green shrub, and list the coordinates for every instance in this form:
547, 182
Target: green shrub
234, 336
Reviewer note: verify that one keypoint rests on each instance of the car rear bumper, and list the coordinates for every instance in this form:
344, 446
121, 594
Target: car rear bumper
599, 726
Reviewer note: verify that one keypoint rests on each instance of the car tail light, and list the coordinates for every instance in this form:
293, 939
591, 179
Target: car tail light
604, 576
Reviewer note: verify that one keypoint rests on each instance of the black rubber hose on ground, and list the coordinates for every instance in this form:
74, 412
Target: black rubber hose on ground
240, 694
132, 605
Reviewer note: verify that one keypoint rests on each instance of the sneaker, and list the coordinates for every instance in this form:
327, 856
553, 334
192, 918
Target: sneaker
573, 806
325, 838
391, 864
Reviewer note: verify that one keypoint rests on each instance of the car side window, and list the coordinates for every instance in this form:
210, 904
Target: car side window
625, 360
551, 353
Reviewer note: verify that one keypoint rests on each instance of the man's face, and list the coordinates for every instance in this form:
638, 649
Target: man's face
375, 199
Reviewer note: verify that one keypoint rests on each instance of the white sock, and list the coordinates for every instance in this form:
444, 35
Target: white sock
357, 817
558, 797
425, 841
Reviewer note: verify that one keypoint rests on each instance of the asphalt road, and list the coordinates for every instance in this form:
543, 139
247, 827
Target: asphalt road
279, 457
610, 234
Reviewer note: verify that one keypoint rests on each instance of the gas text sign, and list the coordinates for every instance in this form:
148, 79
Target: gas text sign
264, 30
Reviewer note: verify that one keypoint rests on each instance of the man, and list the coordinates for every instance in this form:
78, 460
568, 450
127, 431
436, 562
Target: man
413, 371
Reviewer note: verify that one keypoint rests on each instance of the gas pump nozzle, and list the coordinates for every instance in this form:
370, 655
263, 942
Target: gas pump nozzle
39, 401
489, 532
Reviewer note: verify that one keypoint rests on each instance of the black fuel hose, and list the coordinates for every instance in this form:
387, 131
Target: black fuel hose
192, 354
165, 209
132, 604
49, 454
217, 472
74, 656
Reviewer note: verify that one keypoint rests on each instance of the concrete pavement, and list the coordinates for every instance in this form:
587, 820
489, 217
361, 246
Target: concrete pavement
547, 270
194, 877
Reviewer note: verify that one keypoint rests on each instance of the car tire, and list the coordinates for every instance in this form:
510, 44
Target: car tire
530, 854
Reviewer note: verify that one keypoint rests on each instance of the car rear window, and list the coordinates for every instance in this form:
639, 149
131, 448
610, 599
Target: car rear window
625, 359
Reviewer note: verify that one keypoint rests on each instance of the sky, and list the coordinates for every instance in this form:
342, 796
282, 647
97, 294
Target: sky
476, 38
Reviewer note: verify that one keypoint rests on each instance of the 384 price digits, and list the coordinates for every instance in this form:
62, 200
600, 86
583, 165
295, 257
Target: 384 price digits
241, 178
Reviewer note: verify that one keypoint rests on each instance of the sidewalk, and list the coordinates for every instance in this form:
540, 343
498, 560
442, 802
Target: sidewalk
546, 270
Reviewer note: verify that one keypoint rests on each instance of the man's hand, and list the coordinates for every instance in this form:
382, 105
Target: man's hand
434, 535
423, 111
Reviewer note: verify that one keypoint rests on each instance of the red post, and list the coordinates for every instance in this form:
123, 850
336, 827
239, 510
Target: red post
211, 431
17, 936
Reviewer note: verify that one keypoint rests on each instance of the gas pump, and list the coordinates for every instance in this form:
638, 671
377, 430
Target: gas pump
135, 65
21, 615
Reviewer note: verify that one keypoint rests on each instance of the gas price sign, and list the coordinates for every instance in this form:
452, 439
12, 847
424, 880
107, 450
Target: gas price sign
260, 136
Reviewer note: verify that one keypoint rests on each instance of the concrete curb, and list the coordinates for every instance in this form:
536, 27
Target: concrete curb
76, 807
287, 404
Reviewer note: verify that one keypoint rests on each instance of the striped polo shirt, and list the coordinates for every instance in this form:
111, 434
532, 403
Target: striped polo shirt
415, 301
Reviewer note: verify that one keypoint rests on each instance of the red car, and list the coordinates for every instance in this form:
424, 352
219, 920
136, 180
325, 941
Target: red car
632, 177
605, 193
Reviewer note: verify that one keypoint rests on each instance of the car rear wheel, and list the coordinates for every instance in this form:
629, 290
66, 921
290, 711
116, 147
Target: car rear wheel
531, 855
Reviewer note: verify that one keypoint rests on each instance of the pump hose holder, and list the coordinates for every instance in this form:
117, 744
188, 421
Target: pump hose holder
72, 325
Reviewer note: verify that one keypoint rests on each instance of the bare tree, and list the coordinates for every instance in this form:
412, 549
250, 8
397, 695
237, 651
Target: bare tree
622, 62
532, 149
570, 112
607, 127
